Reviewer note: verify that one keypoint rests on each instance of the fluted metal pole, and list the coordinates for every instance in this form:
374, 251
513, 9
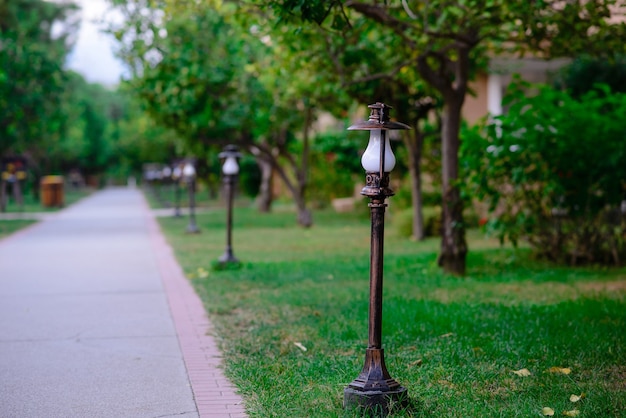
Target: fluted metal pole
228, 256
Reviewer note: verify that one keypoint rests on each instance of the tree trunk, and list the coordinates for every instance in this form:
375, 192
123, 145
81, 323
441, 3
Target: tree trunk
3, 195
453, 244
297, 188
305, 217
265, 198
415, 144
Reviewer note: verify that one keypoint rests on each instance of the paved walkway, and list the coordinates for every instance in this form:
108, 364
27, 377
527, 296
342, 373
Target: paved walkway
97, 320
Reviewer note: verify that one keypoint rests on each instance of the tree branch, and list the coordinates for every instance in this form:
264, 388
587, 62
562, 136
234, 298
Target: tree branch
437, 79
470, 39
380, 15
378, 76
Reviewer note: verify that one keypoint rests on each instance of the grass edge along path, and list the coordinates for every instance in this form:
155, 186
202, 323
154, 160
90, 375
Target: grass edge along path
517, 337
10, 226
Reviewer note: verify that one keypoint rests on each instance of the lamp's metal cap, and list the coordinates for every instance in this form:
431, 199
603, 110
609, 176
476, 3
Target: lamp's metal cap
379, 119
230, 151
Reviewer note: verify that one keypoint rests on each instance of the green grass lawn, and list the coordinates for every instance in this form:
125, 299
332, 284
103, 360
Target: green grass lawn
7, 227
454, 343
31, 205
164, 196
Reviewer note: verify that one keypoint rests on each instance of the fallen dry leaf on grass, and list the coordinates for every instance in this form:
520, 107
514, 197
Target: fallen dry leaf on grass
478, 351
522, 372
547, 411
572, 413
575, 398
416, 363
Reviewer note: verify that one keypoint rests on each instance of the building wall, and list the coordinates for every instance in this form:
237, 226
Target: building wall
490, 87
475, 106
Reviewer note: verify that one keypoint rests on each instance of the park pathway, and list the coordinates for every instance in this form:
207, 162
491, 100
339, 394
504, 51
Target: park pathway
97, 320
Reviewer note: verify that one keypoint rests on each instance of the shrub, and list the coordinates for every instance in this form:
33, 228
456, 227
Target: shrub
335, 166
249, 176
585, 72
553, 171
402, 221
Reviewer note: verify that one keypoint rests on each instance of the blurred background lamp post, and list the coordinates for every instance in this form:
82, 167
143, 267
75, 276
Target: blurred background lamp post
166, 173
230, 168
177, 173
374, 389
166, 181
189, 174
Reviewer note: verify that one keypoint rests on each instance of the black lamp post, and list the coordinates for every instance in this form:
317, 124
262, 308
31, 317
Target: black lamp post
177, 174
166, 181
230, 168
374, 389
189, 174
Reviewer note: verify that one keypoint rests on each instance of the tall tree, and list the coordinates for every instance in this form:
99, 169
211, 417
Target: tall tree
32, 78
214, 80
445, 39
346, 62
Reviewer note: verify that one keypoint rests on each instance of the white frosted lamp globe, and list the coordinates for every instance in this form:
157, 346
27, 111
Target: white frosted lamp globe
371, 157
230, 167
188, 170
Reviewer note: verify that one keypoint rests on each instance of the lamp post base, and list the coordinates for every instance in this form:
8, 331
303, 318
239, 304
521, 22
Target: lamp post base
228, 258
374, 390
375, 402
192, 229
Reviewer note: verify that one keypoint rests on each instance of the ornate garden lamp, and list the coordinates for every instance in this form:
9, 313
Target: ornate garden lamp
230, 168
189, 175
374, 389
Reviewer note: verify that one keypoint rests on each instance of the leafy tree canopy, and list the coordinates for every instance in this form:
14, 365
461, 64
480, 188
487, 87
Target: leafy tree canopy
446, 40
31, 71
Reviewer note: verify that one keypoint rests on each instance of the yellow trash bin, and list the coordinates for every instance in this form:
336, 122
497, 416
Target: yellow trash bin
52, 191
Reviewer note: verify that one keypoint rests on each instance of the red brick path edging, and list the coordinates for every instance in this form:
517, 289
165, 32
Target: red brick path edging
215, 396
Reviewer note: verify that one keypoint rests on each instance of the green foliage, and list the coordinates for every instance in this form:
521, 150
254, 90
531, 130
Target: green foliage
86, 142
552, 29
316, 11
440, 44
402, 221
138, 139
585, 72
249, 176
341, 149
402, 198
335, 166
32, 79
50, 114
191, 89
552, 170
216, 75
